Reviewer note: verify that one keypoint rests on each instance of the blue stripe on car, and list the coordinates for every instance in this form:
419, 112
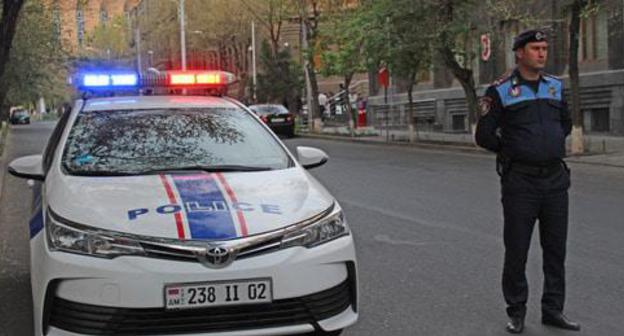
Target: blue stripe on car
207, 211
36, 223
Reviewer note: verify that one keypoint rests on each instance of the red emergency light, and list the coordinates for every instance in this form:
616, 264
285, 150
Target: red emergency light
199, 78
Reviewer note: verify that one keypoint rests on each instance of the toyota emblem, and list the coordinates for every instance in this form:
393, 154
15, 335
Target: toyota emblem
216, 256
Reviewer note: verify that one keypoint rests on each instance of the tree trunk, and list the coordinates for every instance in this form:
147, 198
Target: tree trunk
313, 109
577, 116
352, 120
8, 25
466, 79
413, 128
463, 75
316, 111
310, 30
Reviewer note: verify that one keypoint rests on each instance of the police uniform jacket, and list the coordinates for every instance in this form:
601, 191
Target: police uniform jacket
525, 121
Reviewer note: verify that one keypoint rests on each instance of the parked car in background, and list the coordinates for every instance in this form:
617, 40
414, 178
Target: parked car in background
277, 117
19, 117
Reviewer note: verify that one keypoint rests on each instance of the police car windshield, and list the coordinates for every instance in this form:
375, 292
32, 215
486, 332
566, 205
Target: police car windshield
127, 142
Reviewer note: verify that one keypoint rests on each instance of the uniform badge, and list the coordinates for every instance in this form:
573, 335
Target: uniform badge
539, 36
485, 105
514, 91
552, 91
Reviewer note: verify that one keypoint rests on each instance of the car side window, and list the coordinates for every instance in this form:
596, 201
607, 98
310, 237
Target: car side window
48, 154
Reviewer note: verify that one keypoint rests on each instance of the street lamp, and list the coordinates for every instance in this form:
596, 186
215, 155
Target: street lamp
151, 57
253, 58
182, 34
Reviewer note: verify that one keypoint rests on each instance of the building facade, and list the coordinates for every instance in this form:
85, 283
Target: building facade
75, 19
439, 103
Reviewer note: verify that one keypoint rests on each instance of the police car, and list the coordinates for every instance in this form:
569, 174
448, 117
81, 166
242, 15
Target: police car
182, 214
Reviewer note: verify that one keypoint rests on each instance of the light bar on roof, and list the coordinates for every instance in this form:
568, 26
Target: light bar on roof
214, 81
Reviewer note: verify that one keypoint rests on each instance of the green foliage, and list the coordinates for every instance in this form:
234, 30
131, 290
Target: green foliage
110, 40
280, 78
37, 63
160, 28
401, 35
342, 41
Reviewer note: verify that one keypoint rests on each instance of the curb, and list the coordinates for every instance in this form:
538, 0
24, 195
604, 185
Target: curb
438, 146
4, 134
421, 144
604, 164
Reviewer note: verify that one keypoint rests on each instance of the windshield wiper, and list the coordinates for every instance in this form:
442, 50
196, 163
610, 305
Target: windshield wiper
102, 173
210, 169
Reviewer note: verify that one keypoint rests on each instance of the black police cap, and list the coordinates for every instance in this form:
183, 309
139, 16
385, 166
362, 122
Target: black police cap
528, 36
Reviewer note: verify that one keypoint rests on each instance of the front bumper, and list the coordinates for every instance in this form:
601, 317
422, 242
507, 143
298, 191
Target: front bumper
313, 289
283, 128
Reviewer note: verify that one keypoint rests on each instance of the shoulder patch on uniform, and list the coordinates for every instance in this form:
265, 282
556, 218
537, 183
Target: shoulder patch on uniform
549, 76
552, 91
503, 78
485, 105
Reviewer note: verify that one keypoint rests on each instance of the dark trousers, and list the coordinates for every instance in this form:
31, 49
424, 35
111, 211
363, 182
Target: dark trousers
527, 199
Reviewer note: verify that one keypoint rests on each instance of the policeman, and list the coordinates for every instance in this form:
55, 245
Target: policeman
525, 120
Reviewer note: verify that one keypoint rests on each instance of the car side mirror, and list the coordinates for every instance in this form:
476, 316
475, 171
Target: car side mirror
28, 167
310, 157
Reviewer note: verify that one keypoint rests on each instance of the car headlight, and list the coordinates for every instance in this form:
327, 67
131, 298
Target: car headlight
64, 235
326, 229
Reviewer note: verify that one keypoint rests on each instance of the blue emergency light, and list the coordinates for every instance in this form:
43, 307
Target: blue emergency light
113, 80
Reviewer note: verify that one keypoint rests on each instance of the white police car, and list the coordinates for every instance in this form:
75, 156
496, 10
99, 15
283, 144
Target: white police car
178, 215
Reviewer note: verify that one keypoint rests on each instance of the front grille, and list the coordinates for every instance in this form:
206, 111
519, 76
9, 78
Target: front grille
99, 320
180, 252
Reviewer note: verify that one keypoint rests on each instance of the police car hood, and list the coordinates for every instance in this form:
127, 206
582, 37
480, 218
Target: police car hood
193, 205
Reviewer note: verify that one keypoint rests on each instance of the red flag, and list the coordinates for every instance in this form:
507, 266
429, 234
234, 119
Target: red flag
383, 77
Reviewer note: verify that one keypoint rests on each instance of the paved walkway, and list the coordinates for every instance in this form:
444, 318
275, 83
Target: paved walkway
602, 150
3, 137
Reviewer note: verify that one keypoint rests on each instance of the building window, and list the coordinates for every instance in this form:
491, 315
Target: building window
103, 16
458, 122
594, 36
80, 25
56, 22
596, 120
424, 75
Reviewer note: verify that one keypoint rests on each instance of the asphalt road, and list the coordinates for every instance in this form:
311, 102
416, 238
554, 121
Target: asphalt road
428, 231
15, 210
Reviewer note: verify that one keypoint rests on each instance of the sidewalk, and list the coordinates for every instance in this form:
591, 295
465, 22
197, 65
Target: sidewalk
602, 149
4, 130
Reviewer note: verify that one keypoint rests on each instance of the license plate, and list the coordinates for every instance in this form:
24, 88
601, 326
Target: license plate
278, 120
222, 293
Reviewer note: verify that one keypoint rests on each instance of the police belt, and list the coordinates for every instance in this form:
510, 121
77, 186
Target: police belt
538, 169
